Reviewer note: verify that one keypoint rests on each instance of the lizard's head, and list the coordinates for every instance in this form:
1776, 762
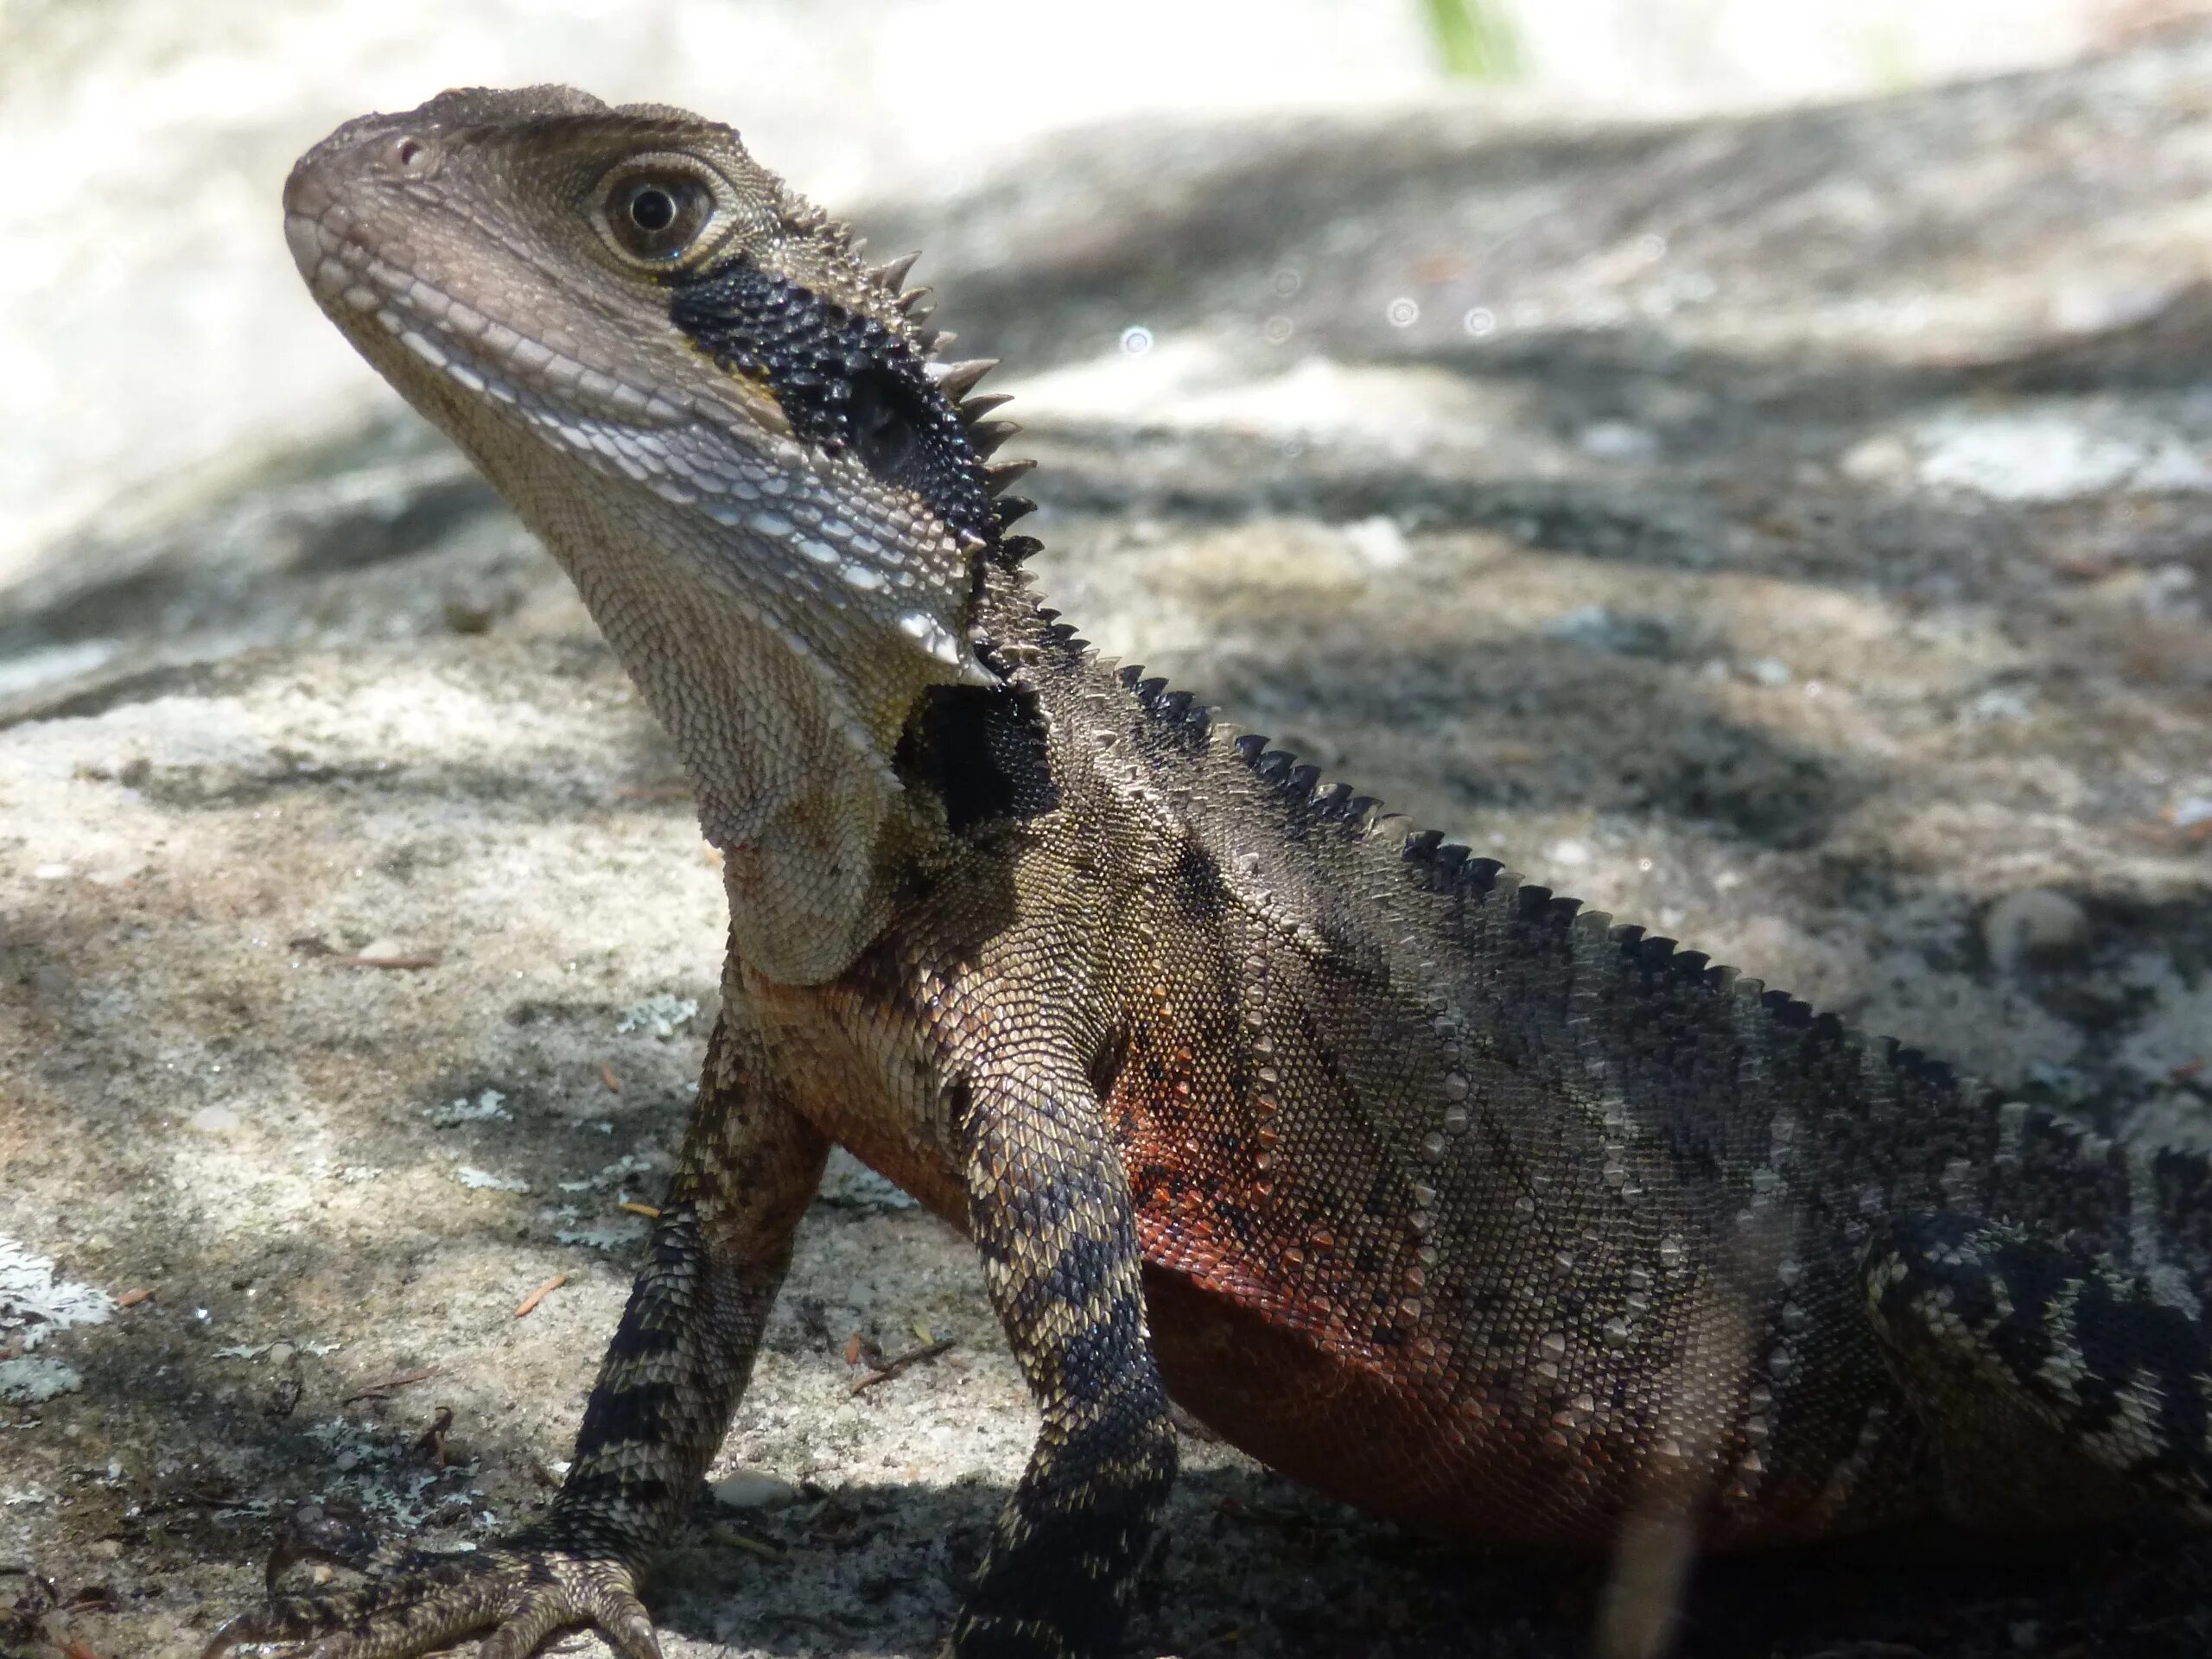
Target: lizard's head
564, 286
728, 429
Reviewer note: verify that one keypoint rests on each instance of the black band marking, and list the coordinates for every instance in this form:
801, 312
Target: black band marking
843, 380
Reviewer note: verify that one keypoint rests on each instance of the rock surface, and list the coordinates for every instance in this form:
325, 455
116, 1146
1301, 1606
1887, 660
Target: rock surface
1790, 531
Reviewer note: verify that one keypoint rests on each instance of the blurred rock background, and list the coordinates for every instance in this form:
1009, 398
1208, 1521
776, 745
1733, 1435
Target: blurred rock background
1749, 465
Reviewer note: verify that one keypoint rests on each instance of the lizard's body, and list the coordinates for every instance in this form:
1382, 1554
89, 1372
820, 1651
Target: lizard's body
1329, 1337
1412, 1180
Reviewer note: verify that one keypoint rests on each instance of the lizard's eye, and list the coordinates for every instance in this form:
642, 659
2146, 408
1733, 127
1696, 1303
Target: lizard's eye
655, 212
651, 208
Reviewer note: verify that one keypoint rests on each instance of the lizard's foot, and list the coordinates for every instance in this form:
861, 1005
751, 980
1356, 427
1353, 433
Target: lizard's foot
520, 1591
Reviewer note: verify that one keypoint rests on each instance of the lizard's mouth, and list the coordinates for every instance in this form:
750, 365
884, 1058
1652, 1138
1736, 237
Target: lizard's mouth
481, 355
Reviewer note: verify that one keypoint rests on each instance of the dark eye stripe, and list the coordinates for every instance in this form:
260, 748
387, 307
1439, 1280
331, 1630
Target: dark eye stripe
841, 378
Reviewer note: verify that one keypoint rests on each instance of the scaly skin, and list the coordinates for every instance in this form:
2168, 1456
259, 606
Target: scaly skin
1417, 1182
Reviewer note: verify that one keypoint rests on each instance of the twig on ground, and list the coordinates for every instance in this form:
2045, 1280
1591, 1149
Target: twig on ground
405, 1379
529, 1304
898, 1363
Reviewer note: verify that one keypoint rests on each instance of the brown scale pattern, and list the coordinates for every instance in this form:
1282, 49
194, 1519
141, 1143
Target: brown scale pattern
1326, 1285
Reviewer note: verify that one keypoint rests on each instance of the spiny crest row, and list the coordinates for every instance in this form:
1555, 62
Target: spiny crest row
956, 380
1179, 710
1297, 783
1450, 867
1657, 957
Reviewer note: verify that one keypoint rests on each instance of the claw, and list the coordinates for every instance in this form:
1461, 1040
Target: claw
518, 1637
632, 1637
519, 1596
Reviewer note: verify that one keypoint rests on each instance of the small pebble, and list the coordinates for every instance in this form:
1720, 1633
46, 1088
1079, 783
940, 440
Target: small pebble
1617, 441
1378, 542
2035, 927
1768, 670
749, 1489
1879, 459
468, 616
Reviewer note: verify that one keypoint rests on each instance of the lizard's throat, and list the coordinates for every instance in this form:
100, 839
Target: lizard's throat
764, 702
785, 718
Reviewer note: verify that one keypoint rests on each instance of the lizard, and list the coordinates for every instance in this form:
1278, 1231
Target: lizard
1420, 1183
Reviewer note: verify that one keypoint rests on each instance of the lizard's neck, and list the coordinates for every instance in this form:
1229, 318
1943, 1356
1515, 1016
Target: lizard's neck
786, 735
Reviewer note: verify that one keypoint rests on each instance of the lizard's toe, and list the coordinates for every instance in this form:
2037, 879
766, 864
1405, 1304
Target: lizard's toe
608, 1607
518, 1595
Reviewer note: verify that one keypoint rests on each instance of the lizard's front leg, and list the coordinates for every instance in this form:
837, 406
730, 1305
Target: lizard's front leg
666, 1388
1049, 1208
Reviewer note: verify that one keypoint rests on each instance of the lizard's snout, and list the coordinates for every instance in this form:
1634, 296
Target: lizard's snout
373, 149
334, 187
308, 201
300, 237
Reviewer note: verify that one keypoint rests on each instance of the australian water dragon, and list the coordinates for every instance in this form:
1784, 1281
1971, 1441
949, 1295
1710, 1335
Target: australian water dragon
1417, 1181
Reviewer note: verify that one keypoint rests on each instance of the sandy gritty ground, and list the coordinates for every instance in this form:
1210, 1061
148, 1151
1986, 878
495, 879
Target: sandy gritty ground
1790, 532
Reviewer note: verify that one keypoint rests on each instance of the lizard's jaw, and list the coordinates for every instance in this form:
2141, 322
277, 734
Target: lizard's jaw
478, 352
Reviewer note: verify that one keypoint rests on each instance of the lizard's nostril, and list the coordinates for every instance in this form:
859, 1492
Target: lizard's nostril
408, 153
